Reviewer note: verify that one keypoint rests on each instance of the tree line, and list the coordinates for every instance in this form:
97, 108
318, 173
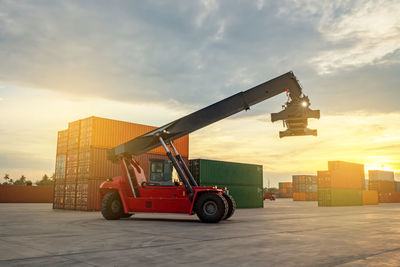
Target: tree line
45, 181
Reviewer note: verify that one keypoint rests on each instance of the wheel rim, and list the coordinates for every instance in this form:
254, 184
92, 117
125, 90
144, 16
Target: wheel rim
210, 208
115, 206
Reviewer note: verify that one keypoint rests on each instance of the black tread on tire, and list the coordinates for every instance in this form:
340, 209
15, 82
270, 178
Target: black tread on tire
111, 206
231, 205
211, 207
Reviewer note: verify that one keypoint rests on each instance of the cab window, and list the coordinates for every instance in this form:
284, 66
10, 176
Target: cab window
160, 172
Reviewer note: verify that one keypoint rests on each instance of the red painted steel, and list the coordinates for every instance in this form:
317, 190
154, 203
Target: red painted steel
161, 199
26, 194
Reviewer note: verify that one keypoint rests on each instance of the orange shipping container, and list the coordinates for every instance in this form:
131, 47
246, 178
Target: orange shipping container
107, 133
312, 196
59, 191
392, 197
299, 196
324, 179
62, 142
382, 186
342, 175
70, 194
370, 197
88, 194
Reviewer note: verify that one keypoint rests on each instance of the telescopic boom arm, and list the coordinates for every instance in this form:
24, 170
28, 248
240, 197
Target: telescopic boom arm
295, 115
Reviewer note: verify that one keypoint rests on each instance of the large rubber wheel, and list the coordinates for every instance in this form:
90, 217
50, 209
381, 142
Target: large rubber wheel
231, 205
211, 207
111, 206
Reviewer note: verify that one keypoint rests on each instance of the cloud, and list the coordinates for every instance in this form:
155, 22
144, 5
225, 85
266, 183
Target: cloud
192, 53
362, 33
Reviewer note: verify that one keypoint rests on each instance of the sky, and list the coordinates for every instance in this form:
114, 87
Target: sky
152, 62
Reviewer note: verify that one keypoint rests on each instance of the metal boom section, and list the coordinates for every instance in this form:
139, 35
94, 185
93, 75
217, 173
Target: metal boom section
220, 110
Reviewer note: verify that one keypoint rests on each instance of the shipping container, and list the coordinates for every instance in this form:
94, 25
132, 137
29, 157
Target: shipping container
381, 175
244, 181
245, 196
311, 196
70, 194
221, 172
305, 187
389, 197
88, 194
62, 142
106, 133
61, 161
299, 196
345, 175
339, 197
370, 197
59, 192
82, 156
285, 190
382, 186
73, 135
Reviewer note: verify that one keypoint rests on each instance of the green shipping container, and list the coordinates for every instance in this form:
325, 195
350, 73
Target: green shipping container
213, 172
244, 181
245, 196
339, 197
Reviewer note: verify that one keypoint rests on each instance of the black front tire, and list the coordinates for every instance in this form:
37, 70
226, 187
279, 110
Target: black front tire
111, 206
231, 205
211, 207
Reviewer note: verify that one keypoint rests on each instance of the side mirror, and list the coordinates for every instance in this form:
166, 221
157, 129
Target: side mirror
295, 117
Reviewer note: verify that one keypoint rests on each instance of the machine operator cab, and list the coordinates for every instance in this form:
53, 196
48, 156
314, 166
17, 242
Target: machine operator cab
162, 173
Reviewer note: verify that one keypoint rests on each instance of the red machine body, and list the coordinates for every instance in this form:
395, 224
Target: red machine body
150, 198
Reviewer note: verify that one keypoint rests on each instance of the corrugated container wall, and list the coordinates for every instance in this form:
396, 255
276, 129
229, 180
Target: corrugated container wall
285, 190
339, 197
381, 175
370, 197
341, 185
304, 187
244, 181
81, 160
384, 183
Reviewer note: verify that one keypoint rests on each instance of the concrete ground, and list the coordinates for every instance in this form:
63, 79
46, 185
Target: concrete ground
284, 233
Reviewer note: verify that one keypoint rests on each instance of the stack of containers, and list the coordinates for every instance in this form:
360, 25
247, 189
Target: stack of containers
383, 182
341, 185
244, 181
304, 187
86, 165
285, 190
61, 159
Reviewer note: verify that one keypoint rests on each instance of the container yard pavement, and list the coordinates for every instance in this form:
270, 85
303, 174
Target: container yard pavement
284, 233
